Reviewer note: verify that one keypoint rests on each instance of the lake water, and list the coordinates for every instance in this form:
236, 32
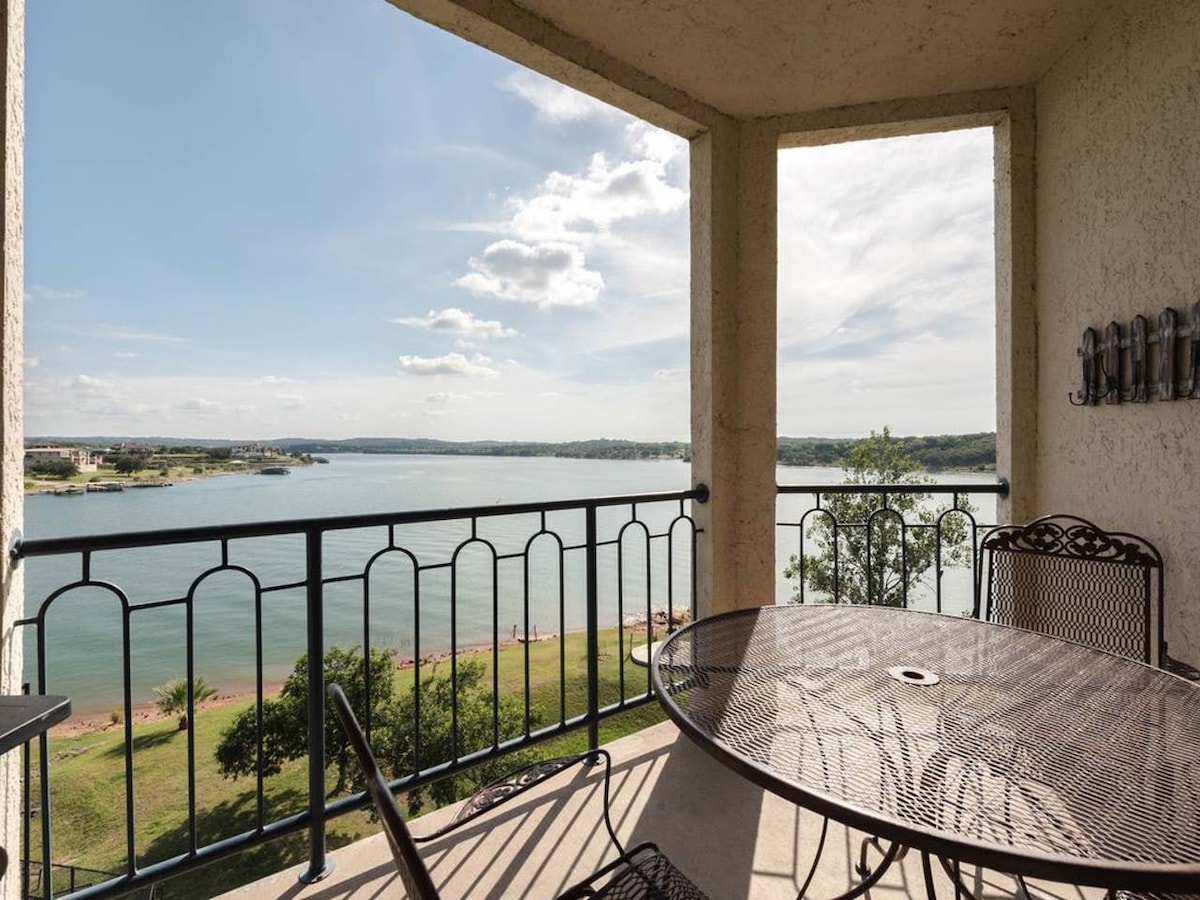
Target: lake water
84, 627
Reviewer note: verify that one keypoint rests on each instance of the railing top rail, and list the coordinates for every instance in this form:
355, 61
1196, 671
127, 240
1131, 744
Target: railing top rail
22, 549
999, 487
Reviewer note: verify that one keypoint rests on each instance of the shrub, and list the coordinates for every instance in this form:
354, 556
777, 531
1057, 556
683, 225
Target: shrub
172, 698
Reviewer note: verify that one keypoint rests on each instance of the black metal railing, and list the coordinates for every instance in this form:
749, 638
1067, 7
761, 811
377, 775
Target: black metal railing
423, 584
69, 879
865, 543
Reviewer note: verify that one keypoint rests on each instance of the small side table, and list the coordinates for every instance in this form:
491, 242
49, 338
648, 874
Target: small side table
25, 716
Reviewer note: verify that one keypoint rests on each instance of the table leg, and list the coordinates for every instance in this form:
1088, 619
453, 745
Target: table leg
893, 851
894, 854
927, 869
954, 873
862, 868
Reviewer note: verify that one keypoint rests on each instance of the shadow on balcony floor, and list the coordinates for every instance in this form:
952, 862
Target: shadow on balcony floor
733, 839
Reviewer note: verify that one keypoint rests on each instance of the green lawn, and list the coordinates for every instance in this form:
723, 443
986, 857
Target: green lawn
88, 775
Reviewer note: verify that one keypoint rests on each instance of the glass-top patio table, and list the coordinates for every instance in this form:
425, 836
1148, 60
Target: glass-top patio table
970, 741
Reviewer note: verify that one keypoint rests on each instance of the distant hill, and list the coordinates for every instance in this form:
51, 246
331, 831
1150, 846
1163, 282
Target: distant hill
934, 452
601, 448
943, 451
101, 440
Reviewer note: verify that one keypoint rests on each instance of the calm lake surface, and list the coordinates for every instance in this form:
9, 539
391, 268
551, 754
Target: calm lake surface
84, 627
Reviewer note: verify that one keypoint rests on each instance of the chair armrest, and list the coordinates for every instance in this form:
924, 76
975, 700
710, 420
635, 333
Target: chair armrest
513, 785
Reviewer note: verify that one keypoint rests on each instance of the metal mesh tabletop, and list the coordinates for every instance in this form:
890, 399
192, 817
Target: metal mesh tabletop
989, 744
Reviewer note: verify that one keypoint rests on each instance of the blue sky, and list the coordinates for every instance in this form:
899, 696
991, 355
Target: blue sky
259, 218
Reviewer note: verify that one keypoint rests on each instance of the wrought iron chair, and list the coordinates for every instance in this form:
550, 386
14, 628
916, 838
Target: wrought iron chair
1063, 576
642, 872
1102, 589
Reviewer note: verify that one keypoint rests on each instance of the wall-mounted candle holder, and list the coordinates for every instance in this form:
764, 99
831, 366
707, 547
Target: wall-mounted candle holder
1143, 363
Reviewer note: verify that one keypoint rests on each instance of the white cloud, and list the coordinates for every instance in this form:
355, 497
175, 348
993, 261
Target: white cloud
546, 274
457, 321
85, 403
88, 385
125, 354
884, 239
120, 334
202, 406
670, 374
278, 379
348, 406
613, 234
450, 364
554, 102
585, 206
654, 143
31, 362
848, 396
290, 401
446, 397
41, 292
886, 286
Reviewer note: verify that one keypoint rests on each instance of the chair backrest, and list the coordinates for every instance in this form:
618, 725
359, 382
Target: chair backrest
1063, 576
413, 873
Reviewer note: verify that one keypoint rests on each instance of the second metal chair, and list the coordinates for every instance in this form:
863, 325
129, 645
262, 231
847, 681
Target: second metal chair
642, 873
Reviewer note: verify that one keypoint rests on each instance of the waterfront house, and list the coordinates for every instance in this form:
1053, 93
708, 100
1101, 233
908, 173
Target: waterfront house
81, 456
1095, 107
253, 452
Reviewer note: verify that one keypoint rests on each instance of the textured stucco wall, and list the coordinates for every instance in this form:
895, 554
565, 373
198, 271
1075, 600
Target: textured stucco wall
1118, 178
1016, 308
733, 171
12, 590
751, 59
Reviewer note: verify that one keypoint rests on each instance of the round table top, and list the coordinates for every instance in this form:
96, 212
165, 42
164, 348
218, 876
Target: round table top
983, 743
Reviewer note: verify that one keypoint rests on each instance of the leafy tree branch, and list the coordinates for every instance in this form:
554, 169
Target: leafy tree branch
873, 547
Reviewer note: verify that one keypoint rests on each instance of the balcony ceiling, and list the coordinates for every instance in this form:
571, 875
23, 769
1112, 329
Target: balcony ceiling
750, 58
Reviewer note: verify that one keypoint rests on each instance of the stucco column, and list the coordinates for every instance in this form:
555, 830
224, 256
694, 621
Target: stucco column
1016, 309
734, 249
12, 589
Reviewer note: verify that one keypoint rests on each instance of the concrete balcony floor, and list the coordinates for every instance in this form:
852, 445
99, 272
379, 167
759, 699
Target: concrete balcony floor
733, 839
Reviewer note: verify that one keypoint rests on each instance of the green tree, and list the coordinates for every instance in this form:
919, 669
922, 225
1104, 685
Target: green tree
396, 746
285, 718
285, 730
54, 468
899, 559
125, 463
171, 698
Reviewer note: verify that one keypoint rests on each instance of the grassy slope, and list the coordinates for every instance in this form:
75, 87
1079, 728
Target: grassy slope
88, 776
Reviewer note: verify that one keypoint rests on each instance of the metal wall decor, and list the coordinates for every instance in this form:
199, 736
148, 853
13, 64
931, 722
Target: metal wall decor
1163, 363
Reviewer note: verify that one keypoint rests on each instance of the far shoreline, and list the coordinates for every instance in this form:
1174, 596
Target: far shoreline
51, 487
